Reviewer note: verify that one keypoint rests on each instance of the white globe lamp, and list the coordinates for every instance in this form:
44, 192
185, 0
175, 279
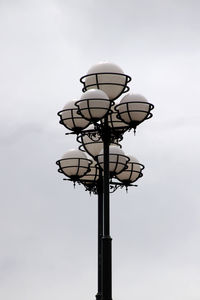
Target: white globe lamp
93, 105
92, 176
118, 126
74, 164
117, 160
132, 173
107, 77
71, 119
134, 109
92, 144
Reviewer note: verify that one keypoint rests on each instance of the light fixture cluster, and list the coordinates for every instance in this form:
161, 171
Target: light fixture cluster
97, 116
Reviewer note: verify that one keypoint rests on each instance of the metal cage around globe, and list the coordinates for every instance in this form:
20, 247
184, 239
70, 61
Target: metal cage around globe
117, 160
92, 176
94, 105
71, 119
107, 77
74, 164
91, 141
133, 109
116, 125
132, 173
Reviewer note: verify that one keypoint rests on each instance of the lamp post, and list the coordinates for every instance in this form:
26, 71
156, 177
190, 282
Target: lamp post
99, 123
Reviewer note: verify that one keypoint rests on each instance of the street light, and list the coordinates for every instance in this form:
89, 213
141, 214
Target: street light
132, 173
117, 160
92, 143
74, 164
71, 119
93, 105
133, 109
100, 123
107, 77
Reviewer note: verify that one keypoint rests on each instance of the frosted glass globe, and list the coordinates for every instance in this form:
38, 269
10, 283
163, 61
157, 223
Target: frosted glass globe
111, 84
132, 173
71, 119
74, 163
115, 123
117, 160
93, 175
74, 153
94, 104
93, 145
133, 108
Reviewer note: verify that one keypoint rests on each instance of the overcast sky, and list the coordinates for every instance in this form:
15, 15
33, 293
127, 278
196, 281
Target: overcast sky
48, 229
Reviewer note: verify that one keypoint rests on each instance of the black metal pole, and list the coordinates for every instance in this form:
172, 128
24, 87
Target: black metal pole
100, 234
106, 239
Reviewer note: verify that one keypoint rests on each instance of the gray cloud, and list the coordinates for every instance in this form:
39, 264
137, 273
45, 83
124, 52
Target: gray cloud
48, 228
